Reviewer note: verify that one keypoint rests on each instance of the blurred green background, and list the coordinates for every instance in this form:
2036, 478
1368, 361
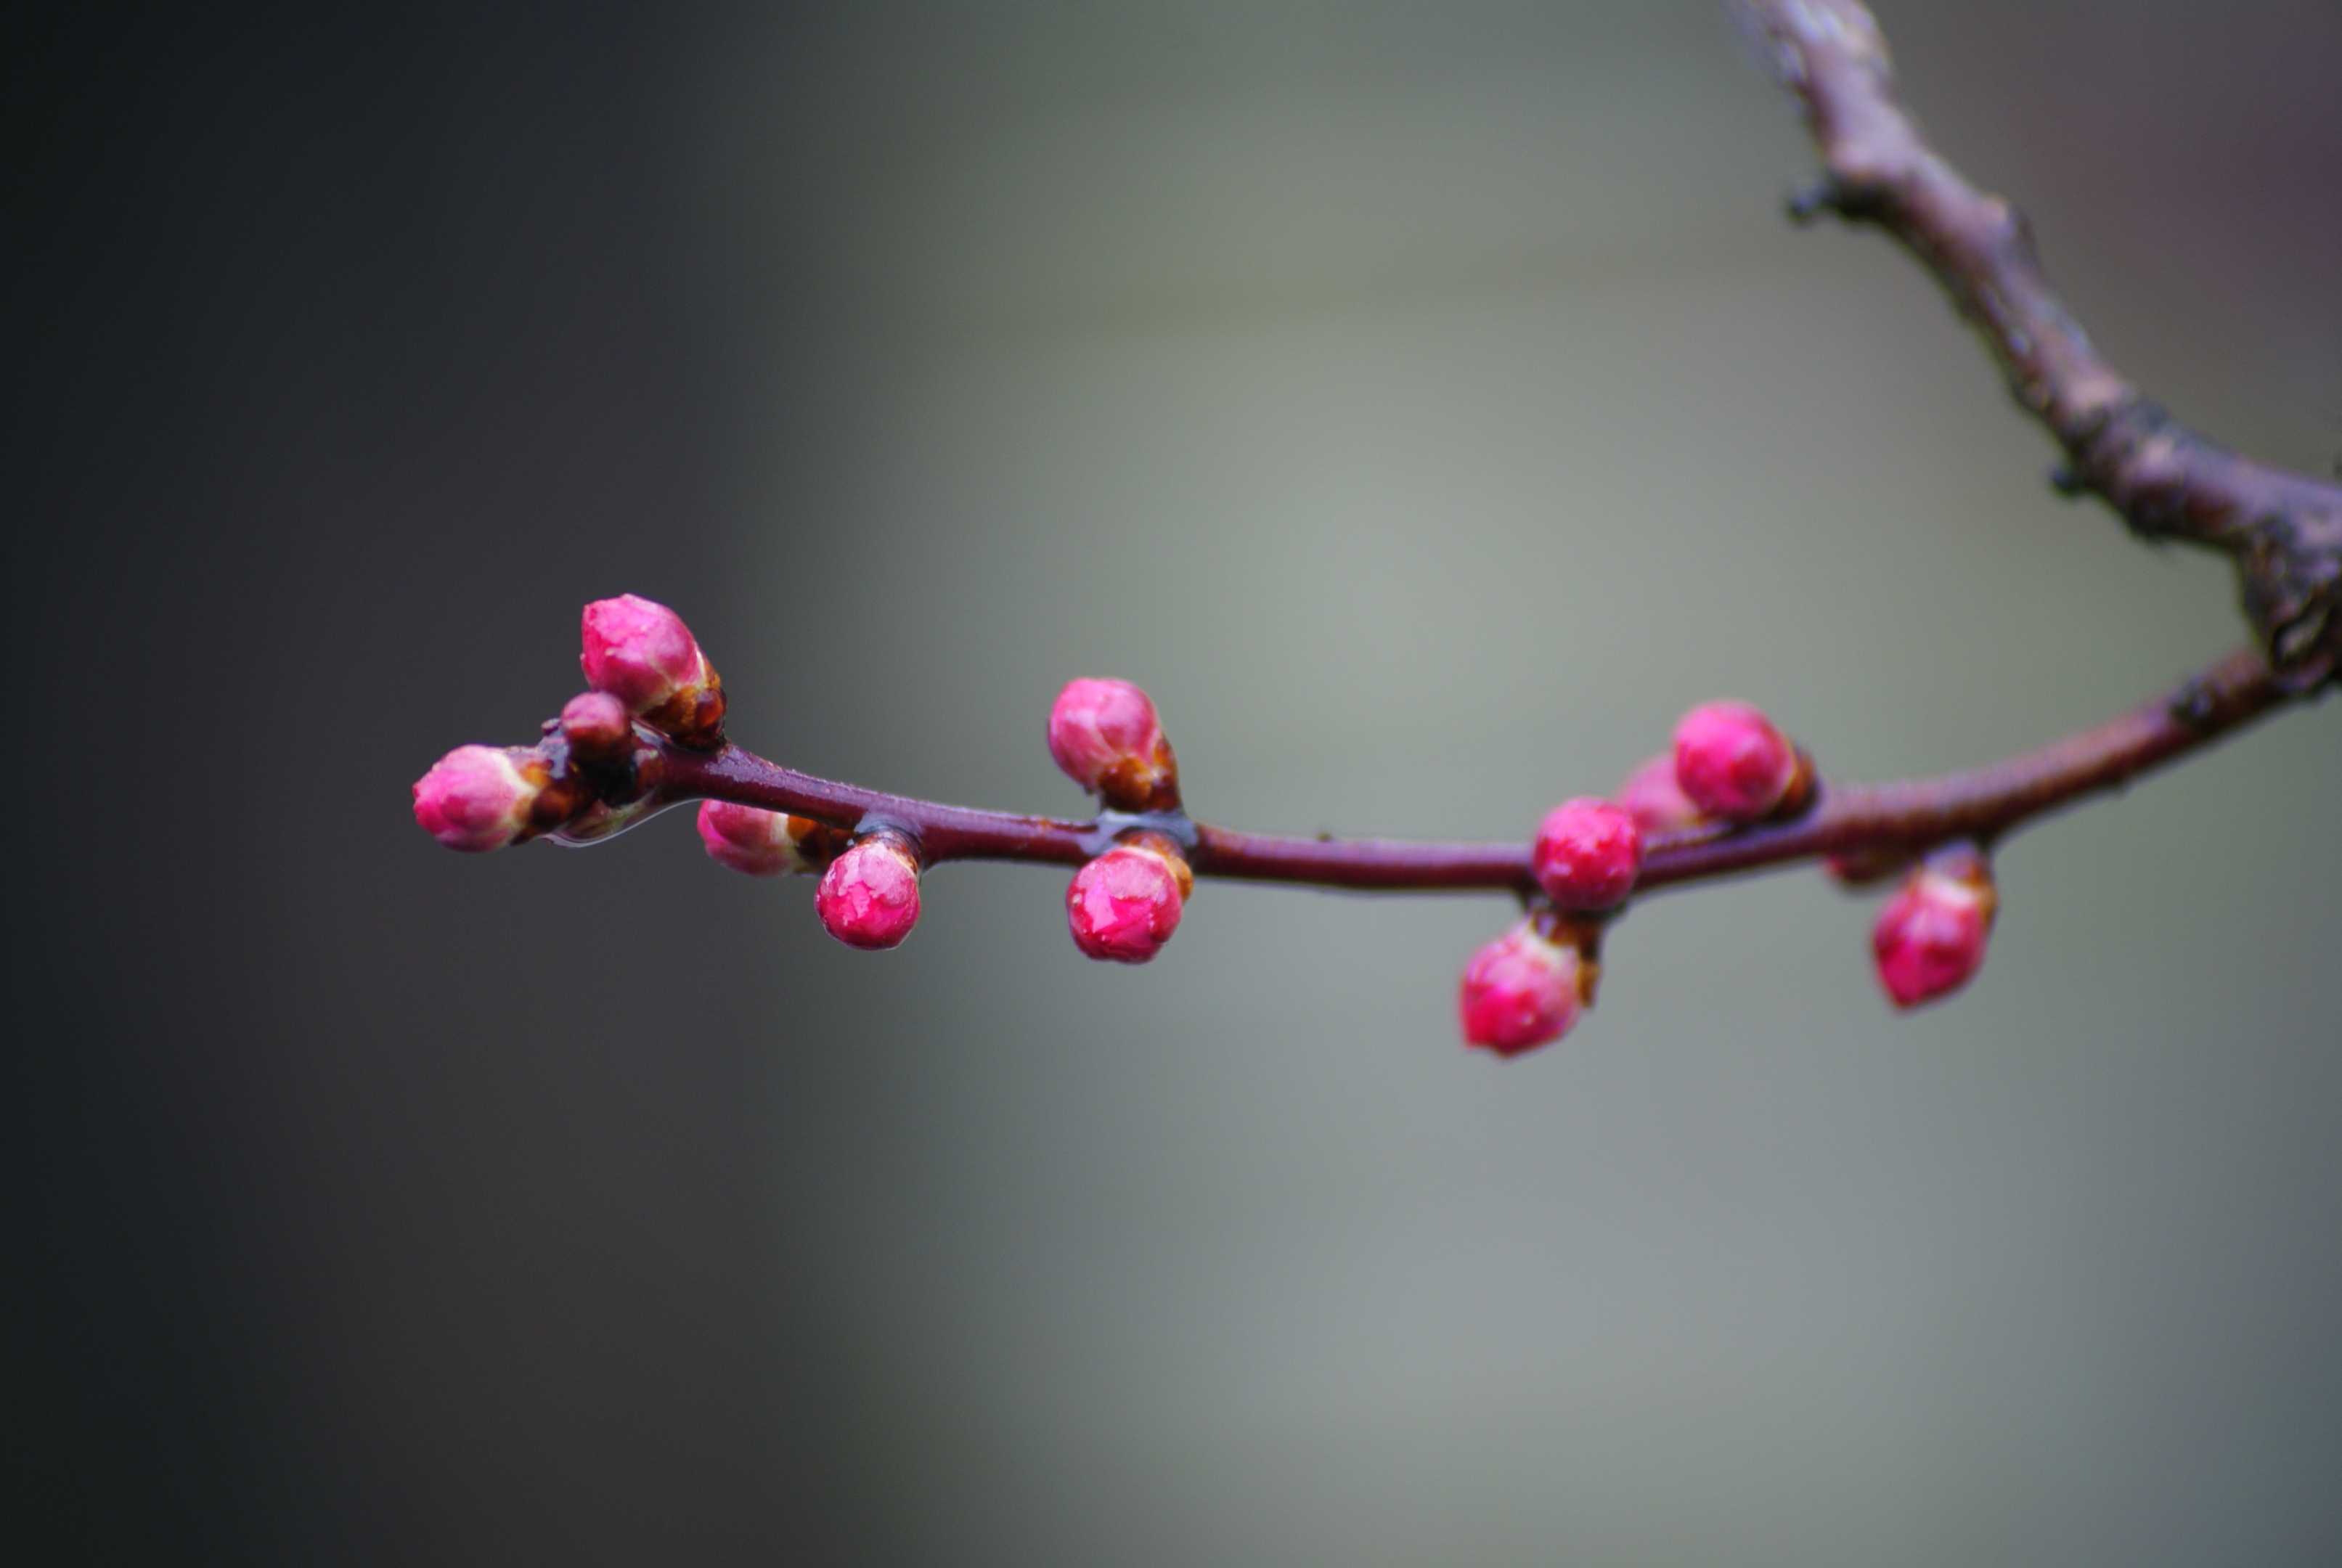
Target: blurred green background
1426, 403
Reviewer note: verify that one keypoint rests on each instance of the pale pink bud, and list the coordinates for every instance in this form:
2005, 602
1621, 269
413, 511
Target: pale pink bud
869, 896
597, 725
767, 843
1105, 734
1519, 992
642, 653
1930, 937
1588, 853
1654, 799
1125, 904
478, 798
1731, 762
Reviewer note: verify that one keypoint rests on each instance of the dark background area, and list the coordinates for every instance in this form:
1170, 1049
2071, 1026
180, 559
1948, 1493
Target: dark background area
1426, 403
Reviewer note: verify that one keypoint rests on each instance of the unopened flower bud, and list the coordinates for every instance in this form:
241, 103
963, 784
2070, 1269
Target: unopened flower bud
1520, 991
478, 798
1588, 853
642, 653
1106, 736
597, 726
1654, 799
767, 843
1125, 904
1731, 762
869, 896
1930, 937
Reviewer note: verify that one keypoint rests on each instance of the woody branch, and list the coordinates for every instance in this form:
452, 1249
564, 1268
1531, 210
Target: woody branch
2283, 530
1732, 795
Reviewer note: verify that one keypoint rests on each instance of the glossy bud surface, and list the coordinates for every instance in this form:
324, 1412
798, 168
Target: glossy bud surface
869, 896
1124, 906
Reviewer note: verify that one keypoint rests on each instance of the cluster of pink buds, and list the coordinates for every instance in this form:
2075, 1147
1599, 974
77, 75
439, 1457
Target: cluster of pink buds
869, 892
1729, 766
655, 713
597, 770
1124, 906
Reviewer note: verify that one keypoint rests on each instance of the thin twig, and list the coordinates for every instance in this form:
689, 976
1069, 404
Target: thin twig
1869, 822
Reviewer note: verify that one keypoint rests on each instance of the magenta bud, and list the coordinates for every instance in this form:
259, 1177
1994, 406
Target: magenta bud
1731, 762
1519, 992
642, 653
478, 798
597, 725
1930, 937
1106, 736
869, 896
1124, 906
767, 843
1588, 853
1654, 799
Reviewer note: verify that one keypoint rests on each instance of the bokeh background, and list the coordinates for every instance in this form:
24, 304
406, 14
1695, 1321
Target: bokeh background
1426, 401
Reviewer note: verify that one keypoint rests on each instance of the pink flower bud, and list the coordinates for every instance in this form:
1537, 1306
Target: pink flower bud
1125, 904
1519, 992
1929, 940
478, 798
869, 896
597, 725
1652, 798
767, 843
642, 653
1731, 762
1588, 855
1105, 734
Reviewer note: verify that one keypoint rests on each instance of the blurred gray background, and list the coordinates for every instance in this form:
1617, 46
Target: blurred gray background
1426, 403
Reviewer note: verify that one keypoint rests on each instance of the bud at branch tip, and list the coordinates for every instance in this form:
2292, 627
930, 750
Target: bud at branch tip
478, 798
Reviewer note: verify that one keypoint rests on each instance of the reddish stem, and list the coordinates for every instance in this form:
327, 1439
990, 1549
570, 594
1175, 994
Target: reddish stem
1867, 820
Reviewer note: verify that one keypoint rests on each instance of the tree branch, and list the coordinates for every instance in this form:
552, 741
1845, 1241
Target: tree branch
1875, 823
2283, 530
